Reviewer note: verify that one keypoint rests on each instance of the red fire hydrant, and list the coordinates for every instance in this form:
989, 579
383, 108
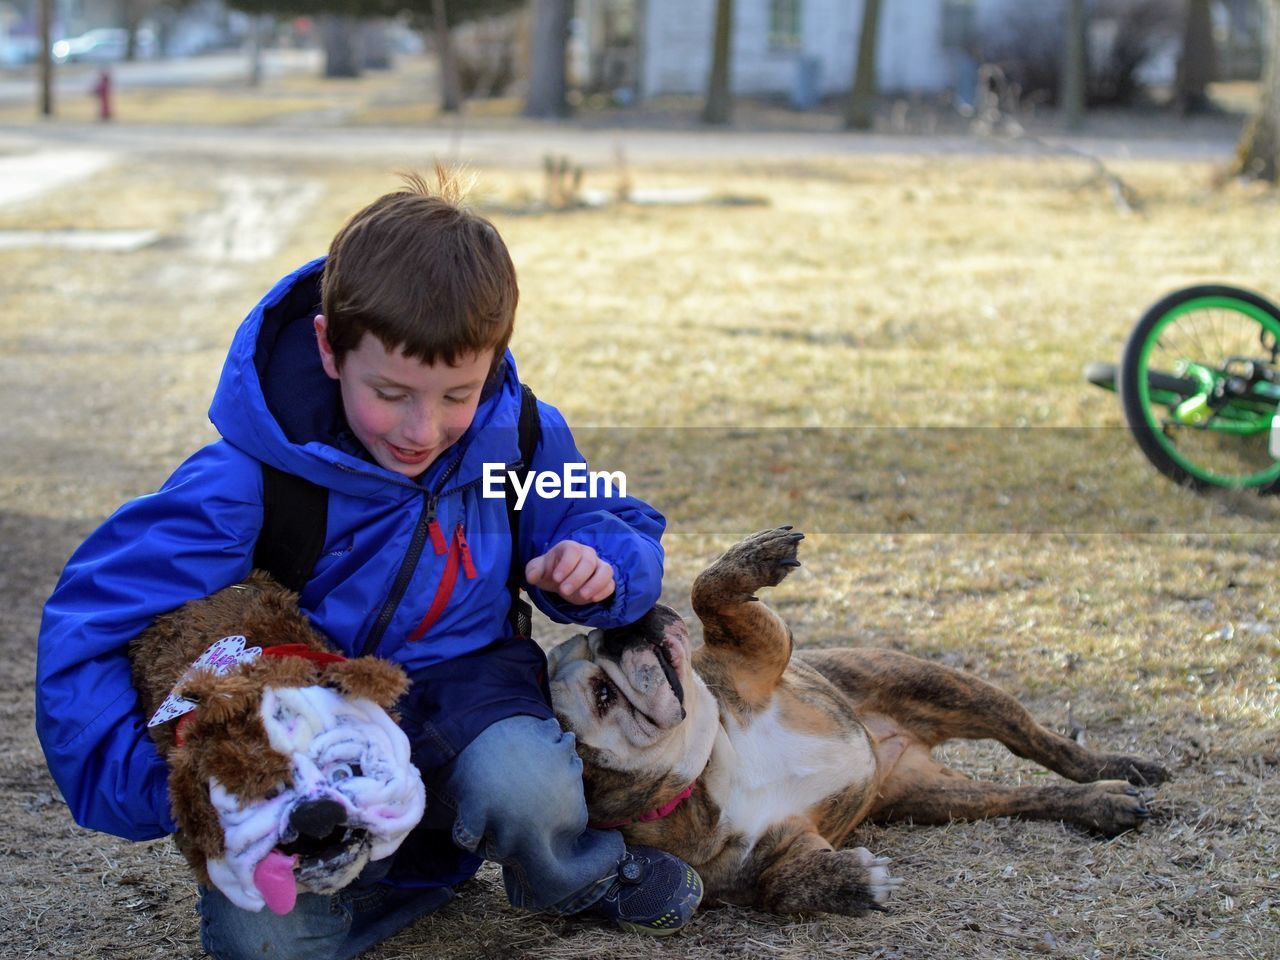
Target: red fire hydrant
102, 90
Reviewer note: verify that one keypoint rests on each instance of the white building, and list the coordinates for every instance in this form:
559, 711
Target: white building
923, 44
794, 47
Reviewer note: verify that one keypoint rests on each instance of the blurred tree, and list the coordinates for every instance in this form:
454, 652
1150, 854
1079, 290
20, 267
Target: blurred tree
132, 13
445, 15
1074, 66
1258, 152
375, 44
446, 62
719, 104
339, 20
45, 31
549, 26
1196, 65
259, 33
860, 107
340, 34
1143, 30
1029, 42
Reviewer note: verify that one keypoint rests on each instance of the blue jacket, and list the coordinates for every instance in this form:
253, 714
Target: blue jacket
377, 577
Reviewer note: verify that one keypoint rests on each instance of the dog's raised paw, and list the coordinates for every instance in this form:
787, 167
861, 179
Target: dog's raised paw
761, 560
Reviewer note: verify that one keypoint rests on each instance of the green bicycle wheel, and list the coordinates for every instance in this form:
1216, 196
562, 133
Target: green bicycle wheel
1193, 400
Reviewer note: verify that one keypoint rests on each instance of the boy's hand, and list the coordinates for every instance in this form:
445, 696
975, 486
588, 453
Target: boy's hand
574, 571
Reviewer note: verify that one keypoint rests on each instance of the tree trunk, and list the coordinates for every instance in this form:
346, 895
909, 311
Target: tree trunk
547, 82
450, 84
46, 58
1196, 66
341, 36
860, 107
1258, 151
130, 16
1073, 66
719, 105
258, 25
375, 45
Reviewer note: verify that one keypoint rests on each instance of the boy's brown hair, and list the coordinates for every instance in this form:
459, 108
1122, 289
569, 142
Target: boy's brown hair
423, 274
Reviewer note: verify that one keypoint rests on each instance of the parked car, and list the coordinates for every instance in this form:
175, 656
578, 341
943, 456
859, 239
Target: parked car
103, 45
18, 49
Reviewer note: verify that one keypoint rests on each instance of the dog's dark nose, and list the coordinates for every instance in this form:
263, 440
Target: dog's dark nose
317, 818
648, 632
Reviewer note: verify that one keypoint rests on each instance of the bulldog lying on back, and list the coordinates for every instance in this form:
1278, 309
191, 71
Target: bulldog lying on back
755, 766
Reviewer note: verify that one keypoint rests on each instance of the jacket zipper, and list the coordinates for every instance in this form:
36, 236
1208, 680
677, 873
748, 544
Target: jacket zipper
464, 550
404, 576
459, 555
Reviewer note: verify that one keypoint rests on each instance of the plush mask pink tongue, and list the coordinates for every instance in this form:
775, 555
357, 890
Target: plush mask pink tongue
273, 876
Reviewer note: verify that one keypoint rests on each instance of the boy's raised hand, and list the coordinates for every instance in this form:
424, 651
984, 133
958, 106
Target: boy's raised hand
572, 570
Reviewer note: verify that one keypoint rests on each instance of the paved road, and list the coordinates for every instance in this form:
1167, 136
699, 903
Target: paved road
40, 156
73, 79
526, 142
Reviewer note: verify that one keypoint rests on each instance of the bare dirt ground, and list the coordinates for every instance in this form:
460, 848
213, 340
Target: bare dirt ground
924, 296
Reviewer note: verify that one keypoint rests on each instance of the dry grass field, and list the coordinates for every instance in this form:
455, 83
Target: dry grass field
884, 352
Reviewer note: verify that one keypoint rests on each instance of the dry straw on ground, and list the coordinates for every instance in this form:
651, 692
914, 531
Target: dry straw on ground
738, 356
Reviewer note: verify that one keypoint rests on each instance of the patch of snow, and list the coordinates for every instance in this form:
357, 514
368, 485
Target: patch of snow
23, 176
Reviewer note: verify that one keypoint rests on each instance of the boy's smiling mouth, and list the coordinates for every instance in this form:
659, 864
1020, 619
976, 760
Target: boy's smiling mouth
408, 455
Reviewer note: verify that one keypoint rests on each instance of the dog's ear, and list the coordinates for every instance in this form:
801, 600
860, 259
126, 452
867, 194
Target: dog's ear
368, 677
575, 648
673, 625
200, 833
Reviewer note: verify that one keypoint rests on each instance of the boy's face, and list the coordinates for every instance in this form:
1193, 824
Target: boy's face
404, 411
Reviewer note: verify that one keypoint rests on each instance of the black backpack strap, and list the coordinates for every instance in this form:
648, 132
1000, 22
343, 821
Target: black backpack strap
295, 514
530, 433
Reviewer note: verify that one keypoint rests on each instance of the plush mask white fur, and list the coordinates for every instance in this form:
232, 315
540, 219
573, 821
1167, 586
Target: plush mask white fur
346, 750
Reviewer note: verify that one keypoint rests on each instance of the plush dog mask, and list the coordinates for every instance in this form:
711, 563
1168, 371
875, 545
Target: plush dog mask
755, 766
286, 773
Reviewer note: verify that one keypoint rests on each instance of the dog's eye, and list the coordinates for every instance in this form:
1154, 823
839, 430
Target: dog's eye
604, 693
344, 771
273, 792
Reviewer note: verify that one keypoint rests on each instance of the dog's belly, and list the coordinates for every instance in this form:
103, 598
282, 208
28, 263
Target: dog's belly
780, 771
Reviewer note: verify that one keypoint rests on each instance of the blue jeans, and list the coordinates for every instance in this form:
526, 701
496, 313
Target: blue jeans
514, 796
336, 927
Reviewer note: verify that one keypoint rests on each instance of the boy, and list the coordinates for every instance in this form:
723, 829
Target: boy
381, 374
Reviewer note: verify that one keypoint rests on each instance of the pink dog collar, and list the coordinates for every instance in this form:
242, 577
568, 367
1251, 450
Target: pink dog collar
663, 811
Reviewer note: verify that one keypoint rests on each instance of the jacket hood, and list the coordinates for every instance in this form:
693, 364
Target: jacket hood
275, 402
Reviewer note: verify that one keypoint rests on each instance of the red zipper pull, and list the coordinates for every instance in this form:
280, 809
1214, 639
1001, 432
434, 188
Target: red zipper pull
437, 537
468, 565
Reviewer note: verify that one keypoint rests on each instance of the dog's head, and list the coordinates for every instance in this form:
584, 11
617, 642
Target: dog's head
644, 720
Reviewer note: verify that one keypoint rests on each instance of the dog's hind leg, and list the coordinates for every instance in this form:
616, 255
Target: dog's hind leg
799, 872
732, 616
934, 703
924, 791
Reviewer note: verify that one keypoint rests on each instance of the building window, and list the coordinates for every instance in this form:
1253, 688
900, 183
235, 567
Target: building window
784, 24
959, 24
